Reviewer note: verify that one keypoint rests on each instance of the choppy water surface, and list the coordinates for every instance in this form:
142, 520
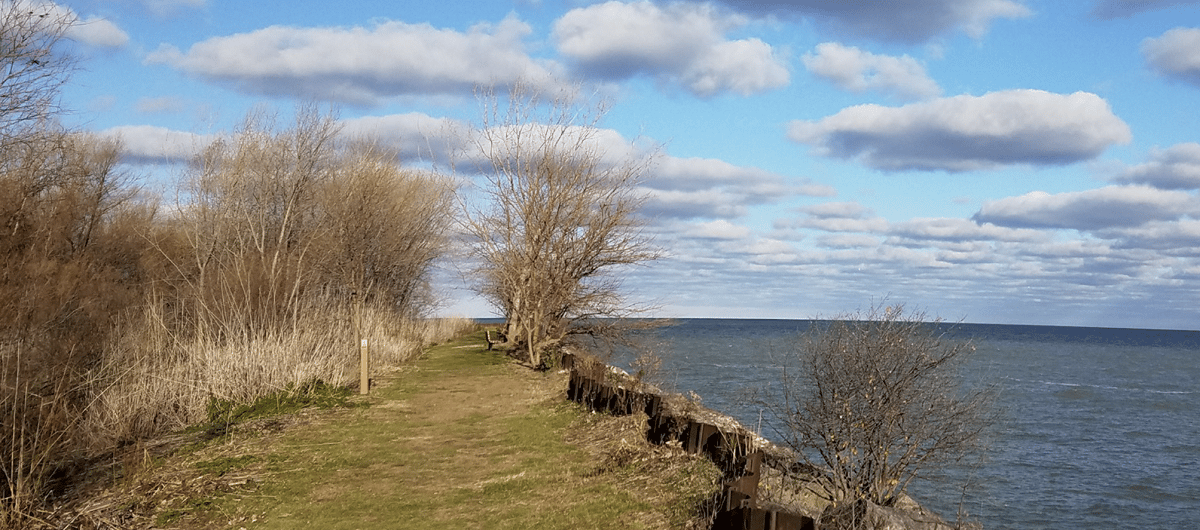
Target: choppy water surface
1101, 427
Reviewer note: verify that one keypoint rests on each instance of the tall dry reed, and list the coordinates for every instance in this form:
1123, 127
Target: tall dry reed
156, 379
40, 421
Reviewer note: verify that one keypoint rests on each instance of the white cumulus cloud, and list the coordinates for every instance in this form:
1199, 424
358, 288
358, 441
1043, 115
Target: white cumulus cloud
89, 30
1098, 209
363, 65
1110, 9
718, 229
711, 188
1175, 168
415, 136
841, 217
153, 144
956, 229
1173, 238
1175, 54
964, 133
858, 71
908, 21
99, 32
681, 44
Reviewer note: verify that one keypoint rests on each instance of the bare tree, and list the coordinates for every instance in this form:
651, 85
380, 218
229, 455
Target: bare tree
559, 217
69, 263
62, 263
277, 218
285, 237
33, 67
384, 227
877, 402
252, 216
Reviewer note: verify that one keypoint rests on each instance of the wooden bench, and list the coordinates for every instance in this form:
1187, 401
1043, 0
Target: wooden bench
492, 342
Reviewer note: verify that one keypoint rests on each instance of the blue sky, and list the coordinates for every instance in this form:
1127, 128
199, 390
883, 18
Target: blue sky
999, 161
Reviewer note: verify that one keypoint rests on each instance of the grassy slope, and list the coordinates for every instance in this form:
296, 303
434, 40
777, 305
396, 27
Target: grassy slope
463, 439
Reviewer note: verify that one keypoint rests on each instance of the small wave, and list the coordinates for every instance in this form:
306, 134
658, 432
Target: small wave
1102, 387
1149, 493
1184, 449
1074, 392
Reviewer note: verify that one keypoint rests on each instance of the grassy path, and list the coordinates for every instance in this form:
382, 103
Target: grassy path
465, 439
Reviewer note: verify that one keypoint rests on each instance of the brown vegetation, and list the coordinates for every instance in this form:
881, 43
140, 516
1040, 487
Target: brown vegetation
120, 319
290, 246
872, 401
71, 263
559, 218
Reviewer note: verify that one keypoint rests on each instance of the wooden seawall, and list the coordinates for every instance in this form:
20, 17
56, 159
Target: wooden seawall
734, 450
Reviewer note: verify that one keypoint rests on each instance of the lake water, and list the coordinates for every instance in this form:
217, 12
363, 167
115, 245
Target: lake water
1101, 427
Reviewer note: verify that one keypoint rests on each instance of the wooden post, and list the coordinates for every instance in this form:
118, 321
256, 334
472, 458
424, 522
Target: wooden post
364, 375
364, 354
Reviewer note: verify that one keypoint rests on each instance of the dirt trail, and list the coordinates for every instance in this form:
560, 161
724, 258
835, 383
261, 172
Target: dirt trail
435, 432
454, 388
467, 439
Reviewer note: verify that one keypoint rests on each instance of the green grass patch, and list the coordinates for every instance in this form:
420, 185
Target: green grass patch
464, 439
292, 398
223, 414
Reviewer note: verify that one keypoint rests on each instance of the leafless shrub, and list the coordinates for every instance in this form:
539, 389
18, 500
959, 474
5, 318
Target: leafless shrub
559, 217
35, 67
383, 227
874, 401
71, 261
250, 221
291, 245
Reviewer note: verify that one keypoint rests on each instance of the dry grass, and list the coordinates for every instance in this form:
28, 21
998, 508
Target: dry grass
152, 483
156, 381
794, 492
662, 475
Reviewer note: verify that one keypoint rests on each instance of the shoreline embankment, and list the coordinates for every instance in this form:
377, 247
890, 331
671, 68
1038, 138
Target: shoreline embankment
756, 472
